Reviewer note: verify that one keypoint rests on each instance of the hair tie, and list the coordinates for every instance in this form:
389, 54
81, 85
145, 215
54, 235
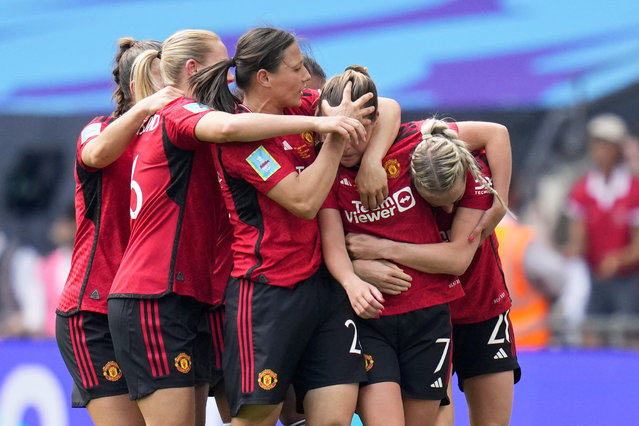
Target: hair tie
160, 55
233, 61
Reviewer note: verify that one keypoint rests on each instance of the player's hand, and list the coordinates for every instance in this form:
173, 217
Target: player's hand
488, 222
386, 276
608, 267
372, 184
365, 299
348, 107
159, 99
346, 127
362, 246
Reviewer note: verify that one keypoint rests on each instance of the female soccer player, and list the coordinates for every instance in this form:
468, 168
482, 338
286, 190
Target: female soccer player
103, 164
414, 329
287, 320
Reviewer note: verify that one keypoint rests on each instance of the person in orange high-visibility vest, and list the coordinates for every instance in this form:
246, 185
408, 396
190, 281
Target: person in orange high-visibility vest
519, 248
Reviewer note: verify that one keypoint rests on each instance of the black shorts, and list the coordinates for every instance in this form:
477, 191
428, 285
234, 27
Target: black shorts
412, 349
86, 347
485, 347
162, 343
276, 336
215, 325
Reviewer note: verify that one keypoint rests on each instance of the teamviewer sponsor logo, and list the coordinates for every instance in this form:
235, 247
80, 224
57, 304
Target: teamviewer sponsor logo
480, 189
404, 199
399, 202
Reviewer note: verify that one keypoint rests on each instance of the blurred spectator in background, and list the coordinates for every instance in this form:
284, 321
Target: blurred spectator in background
30, 284
53, 268
603, 226
22, 300
631, 153
537, 278
548, 291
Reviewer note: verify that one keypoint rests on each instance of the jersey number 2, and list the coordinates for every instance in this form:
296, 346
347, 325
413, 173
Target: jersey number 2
354, 348
502, 318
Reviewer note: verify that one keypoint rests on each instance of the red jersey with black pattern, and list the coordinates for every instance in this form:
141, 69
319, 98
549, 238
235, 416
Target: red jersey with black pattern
270, 244
175, 209
484, 284
404, 216
102, 227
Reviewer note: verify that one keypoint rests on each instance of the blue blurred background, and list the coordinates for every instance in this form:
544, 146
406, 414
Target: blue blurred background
432, 55
541, 67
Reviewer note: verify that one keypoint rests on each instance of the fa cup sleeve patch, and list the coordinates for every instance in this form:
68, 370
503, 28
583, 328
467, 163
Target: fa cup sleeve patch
263, 163
195, 108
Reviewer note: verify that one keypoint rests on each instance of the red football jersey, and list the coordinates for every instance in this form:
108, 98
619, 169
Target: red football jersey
102, 227
610, 211
175, 209
486, 292
403, 216
270, 244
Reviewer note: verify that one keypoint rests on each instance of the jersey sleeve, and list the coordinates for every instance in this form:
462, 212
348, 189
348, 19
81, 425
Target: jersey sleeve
180, 124
263, 164
88, 133
476, 195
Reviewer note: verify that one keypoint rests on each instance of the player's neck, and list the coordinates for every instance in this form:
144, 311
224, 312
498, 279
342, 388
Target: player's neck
263, 104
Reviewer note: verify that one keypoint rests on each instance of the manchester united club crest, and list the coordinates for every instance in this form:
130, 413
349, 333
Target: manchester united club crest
392, 168
183, 363
308, 137
267, 379
368, 361
111, 371
304, 150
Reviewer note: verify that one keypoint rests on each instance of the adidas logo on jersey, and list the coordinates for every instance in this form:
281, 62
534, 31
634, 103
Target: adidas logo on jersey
501, 354
287, 146
346, 182
438, 383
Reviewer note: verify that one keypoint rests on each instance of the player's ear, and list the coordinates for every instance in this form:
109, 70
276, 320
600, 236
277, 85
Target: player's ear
191, 67
263, 78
